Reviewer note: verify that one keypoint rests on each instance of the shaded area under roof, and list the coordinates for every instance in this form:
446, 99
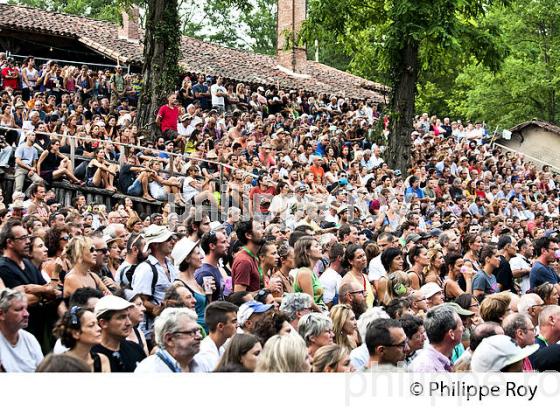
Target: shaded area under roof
198, 56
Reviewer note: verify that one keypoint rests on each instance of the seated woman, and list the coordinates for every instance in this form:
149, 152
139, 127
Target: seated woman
193, 189
54, 166
156, 187
100, 173
82, 254
78, 330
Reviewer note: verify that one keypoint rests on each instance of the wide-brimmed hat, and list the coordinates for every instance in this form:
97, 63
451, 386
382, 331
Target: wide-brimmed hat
156, 234
182, 250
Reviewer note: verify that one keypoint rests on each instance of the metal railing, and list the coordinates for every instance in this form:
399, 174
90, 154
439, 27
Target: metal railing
122, 146
76, 63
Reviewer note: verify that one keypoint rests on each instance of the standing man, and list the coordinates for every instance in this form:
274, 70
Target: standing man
245, 269
19, 350
444, 329
520, 328
387, 343
521, 264
112, 315
201, 93
507, 249
154, 276
541, 271
215, 246
221, 319
26, 162
218, 93
118, 88
168, 118
178, 338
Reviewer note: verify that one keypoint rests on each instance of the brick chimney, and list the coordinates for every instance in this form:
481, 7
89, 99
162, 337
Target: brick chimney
130, 29
291, 14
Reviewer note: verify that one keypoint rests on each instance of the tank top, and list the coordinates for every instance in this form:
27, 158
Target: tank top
316, 285
51, 162
200, 305
96, 362
32, 76
71, 84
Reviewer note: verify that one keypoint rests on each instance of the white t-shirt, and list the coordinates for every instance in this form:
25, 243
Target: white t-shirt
215, 99
206, 360
24, 357
376, 269
330, 280
519, 262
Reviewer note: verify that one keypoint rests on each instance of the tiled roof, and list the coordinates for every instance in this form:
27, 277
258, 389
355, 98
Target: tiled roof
198, 56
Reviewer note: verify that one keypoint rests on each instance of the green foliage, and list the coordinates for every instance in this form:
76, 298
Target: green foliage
526, 85
244, 24
98, 9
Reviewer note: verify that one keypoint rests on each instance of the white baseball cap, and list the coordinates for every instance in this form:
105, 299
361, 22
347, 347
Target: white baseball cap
109, 303
498, 351
430, 289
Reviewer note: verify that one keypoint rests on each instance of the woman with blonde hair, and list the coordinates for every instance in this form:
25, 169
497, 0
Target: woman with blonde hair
398, 285
332, 359
345, 327
284, 354
436, 263
81, 253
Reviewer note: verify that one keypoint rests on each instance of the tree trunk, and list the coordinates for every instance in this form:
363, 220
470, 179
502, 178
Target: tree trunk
160, 70
402, 116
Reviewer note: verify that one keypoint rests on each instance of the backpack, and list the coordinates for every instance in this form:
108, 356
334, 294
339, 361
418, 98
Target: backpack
129, 273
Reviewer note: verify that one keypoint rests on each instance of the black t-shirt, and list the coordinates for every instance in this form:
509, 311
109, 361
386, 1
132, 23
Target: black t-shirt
504, 275
125, 359
12, 275
126, 177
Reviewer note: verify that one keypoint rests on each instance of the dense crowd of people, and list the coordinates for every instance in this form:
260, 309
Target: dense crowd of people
308, 253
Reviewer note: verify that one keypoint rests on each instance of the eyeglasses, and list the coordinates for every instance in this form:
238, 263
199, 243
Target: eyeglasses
361, 291
401, 345
539, 305
65, 238
21, 238
191, 333
103, 250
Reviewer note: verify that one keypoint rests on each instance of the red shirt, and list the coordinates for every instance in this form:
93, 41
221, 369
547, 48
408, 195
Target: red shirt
10, 82
260, 196
169, 117
245, 271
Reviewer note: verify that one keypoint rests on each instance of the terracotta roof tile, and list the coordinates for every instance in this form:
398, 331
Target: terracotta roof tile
198, 56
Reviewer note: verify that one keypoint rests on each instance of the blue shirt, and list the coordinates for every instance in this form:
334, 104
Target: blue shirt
208, 270
540, 274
